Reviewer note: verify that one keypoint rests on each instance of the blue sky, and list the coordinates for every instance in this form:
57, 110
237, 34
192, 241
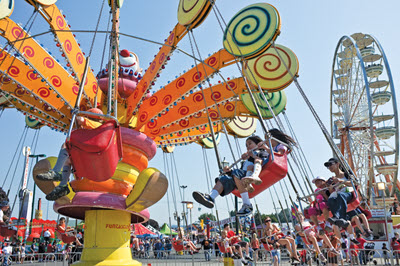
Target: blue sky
310, 28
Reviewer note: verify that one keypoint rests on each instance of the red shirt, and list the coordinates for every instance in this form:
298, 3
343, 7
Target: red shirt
362, 242
233, 240
395, 244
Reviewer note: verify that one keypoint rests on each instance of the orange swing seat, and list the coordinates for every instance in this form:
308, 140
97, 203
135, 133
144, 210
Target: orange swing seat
272, 172
95, 153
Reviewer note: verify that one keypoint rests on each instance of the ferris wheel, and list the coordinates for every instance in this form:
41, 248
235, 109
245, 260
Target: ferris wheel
364, 118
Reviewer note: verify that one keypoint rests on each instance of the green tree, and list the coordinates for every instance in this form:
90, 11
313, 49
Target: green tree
204, 217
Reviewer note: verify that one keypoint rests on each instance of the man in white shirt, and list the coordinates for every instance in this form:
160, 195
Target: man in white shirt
7, 251
4, 206
47, 235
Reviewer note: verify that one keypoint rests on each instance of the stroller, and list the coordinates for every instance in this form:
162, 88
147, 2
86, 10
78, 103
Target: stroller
369, 252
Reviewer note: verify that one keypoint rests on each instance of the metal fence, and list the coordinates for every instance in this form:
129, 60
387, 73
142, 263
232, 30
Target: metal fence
264, 257
53, 259
213, 257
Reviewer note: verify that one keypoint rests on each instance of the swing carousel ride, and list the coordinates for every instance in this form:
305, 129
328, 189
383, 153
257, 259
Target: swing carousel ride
188, 109
112, 177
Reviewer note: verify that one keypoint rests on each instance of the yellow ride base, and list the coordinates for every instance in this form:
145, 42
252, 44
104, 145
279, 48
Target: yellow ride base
107, 236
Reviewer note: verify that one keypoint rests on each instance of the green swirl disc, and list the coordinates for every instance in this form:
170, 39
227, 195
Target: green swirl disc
277, 100
268, 70
251, 31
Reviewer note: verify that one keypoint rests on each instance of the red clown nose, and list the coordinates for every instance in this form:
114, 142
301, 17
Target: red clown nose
124, 53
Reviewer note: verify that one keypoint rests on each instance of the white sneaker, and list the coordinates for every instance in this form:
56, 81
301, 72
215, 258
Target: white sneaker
245, 210
253, 179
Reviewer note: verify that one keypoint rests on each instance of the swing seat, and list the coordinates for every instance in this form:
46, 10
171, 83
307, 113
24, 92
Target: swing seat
64, 237
221, 248
272, 172
178, 245
352, 205
6, 232
267, 246
95, 153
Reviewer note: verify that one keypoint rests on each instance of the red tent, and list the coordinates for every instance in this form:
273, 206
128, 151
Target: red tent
142, 230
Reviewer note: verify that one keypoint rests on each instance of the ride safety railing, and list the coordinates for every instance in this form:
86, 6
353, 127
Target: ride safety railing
265, 257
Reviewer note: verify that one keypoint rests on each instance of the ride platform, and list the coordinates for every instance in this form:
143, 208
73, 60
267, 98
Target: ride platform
107, 238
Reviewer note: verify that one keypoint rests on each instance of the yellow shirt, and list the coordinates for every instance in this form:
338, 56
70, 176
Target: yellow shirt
90, 124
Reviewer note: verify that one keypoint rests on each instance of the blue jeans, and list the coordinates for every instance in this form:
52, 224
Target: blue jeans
207, 254
338, 204
363, 258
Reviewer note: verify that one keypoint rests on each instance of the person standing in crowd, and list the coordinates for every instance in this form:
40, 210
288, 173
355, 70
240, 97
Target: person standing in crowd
47, 235
255, 245
7, 252
23, 251
158, 247
385, 254
362, 255
207, 246
395, 246
146, 249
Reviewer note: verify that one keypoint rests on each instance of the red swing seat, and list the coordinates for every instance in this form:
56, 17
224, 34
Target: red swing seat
267, 246
178, 245
6, 232
272, 172
64, 237
95, 153
221, 248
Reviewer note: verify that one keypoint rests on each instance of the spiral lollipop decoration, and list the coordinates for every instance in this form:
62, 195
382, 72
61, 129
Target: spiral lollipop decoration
208, 142
241, 126
6, 8
192, 13
277, 101
250, 32
268, 70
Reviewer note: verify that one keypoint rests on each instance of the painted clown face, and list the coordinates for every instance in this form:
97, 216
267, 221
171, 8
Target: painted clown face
129, 74
129, 60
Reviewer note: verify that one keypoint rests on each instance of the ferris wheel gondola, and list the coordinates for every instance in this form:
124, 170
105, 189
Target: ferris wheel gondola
363, 110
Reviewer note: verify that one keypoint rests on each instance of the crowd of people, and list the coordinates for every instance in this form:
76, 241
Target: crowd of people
43, 248
39, 250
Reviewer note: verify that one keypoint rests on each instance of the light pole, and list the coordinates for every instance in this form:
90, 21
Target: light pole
183, 200
189, 205
37, 156
382, 187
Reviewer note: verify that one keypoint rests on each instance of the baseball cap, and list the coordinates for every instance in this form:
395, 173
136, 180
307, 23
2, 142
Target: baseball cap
4, 203
319, 178
331, 161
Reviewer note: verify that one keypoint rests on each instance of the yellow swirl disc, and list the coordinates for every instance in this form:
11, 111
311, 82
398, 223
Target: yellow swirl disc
277, 100
191, 12
6, 8
32, 123
46, 2
168, 149
268, 70
208, 142
251, 31
241, 126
